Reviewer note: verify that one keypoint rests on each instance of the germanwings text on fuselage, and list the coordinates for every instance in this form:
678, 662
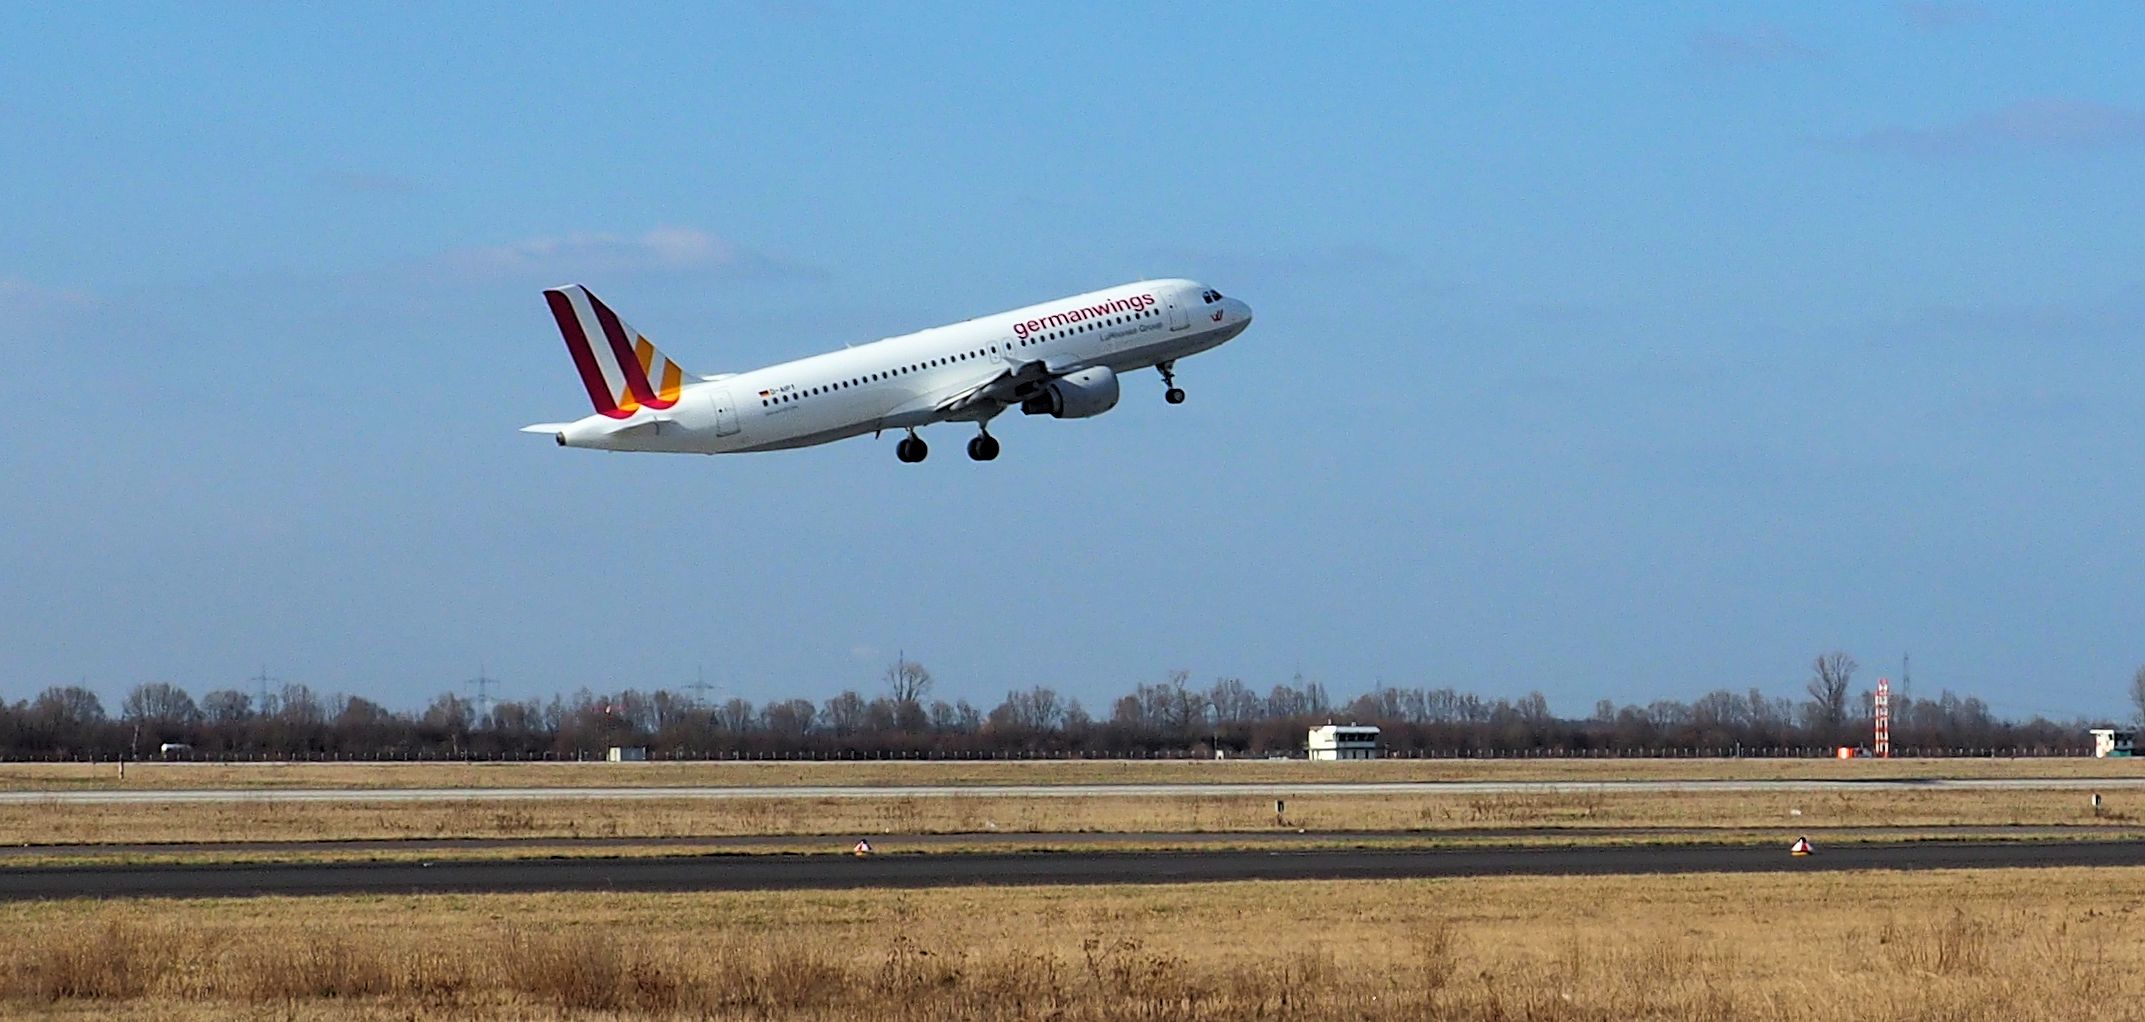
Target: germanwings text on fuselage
1060, 358
1132, 304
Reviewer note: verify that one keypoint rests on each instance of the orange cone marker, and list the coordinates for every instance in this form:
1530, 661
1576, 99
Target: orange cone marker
1800, 847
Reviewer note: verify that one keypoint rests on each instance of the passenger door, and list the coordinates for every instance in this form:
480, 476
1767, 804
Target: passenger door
1179, 317
725, 410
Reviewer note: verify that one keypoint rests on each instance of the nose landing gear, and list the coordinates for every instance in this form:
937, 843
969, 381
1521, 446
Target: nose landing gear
1175, 394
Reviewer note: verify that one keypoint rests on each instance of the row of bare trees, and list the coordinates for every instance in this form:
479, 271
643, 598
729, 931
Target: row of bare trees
1171, 716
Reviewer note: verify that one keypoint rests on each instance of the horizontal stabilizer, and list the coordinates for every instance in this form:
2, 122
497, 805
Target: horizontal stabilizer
546, 427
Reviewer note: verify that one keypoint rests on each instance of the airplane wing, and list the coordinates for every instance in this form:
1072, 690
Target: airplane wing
1009, 387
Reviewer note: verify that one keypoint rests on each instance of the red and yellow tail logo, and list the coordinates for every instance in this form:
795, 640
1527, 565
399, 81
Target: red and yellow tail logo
622, 370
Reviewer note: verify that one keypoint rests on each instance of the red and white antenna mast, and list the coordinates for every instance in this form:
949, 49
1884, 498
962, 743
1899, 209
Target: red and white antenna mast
1883, 745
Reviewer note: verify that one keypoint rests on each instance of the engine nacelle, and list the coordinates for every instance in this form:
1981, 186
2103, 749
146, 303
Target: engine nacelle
1075, 395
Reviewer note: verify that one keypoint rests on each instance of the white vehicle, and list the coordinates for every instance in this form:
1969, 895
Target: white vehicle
1059, 358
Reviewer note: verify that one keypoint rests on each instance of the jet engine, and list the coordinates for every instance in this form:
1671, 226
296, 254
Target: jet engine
1075, 395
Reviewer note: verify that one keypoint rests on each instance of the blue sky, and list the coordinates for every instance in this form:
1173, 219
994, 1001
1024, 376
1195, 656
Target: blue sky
1607, 350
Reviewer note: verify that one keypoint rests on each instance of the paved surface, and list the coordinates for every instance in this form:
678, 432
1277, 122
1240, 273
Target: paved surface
778, 872
899, 843
1279, 790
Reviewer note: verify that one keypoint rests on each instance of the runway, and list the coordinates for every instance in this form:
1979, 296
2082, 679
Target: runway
172, 796
797, 872
1081, 841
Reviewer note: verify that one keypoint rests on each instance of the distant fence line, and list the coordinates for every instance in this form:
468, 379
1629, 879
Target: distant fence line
1014, 755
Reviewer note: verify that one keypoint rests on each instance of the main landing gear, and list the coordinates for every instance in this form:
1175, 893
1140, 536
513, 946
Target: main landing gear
912, 448
1175, 394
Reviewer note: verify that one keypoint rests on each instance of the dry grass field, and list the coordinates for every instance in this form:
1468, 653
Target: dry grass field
1960, 946
154, 775
1437, 814
1573, 815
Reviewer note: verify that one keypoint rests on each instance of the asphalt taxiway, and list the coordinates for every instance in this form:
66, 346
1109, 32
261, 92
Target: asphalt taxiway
791, 872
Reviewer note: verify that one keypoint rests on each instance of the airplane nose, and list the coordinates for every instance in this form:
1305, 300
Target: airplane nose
1242, 309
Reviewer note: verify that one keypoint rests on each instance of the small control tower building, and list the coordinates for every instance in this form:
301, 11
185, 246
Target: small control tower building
2114, 741
1344, 741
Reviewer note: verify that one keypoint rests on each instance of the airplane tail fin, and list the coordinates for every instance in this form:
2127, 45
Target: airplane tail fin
622, 370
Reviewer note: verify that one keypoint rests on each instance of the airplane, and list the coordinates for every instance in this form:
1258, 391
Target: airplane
1059, 358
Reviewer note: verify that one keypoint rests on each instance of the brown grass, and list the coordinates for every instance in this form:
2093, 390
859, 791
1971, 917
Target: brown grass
1963, 946
31, 776
274, 821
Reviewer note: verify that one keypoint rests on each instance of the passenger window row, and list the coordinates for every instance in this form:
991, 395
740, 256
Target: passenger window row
1085, 327
770, 400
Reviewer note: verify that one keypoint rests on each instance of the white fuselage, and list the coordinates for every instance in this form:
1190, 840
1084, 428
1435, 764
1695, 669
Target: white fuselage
920, 378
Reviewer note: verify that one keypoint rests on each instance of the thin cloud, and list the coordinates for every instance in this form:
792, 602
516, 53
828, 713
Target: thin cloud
2045, 125
2112, 318
804, 11
1309, 261
29, 312
364, 183
1763, 45
661, 249
19, 297
1938, 15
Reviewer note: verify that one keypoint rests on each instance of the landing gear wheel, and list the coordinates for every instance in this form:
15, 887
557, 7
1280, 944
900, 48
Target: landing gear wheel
1175, 394
983, 448
912, 449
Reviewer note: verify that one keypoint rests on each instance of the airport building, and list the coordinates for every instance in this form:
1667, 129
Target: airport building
1344, 741
2113, 741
